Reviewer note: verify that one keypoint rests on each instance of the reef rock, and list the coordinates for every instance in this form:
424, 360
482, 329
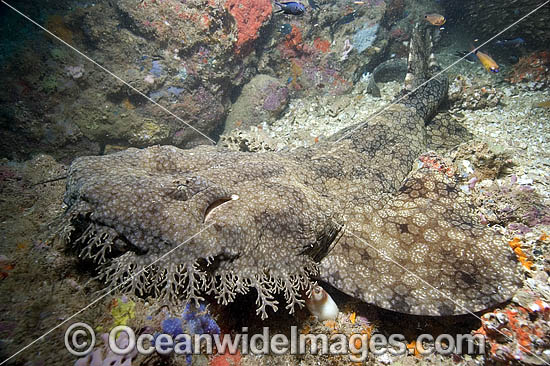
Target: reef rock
250, 16
185, 56
465, 93
261, 100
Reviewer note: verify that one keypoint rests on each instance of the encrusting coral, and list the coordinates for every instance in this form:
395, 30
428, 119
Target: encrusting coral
179, 223
250, 16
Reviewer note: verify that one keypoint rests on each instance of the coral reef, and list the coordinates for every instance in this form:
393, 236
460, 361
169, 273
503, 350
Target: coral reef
276, 99
518, 333
513, 205
533, 69
122, 311
311, 56
76, 72
322, 45
200, 321
190, 57
515, 244
191, 322
169, 50
250, 16
510, 202
464, 93
294, 44
262, 100
364, 37
226, 360
252, 140
189, 77
485, 162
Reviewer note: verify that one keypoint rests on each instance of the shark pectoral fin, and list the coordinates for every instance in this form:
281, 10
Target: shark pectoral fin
424, 253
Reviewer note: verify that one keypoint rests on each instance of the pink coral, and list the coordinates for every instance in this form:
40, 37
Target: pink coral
517, 333
250, 15
534, 67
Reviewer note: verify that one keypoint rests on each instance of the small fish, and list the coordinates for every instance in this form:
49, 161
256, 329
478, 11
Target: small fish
516, 42
435, 19
291, 8
313, 4
545, 104
487, 61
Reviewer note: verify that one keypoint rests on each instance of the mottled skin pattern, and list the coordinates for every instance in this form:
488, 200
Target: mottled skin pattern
340, 210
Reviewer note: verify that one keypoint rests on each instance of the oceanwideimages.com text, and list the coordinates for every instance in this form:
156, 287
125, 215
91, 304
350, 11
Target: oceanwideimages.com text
80, 340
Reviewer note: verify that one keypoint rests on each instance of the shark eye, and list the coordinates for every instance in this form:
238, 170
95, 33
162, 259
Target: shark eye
217, 203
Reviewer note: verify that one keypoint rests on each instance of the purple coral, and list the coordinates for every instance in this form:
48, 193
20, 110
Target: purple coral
175, 91
156, 69
537, 216
192, 322
200, 322
348, 47
277, 97
172, 326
